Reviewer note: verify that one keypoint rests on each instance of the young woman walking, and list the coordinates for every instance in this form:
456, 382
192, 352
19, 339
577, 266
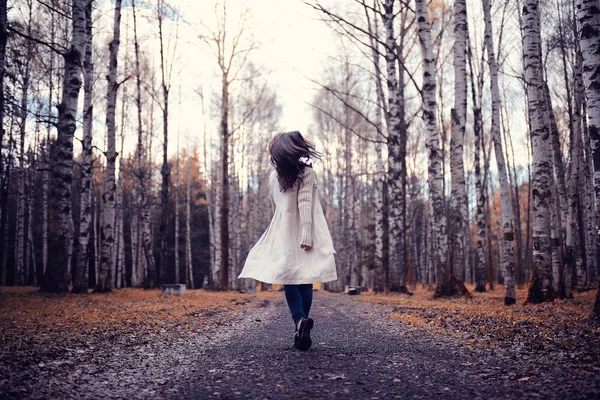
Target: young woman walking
296, 249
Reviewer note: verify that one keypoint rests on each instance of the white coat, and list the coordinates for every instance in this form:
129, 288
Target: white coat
277, 257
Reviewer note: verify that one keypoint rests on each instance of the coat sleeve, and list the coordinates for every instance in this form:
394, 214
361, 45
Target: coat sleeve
305, 200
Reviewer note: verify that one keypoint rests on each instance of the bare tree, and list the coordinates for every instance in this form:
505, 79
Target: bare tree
107, 232
588, 24
508, 262
56, 278
81, 271
231, 56
540, 286
458, 197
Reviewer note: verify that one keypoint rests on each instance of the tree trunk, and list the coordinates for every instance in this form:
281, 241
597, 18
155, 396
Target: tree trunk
445, 285
20, 239
508, 258
396, 153
224, 187
588, 24
3, 189
80, 284
573, 198
165, 170
107, 231
458, 198
540, 285
557, 267
188, 231
176, 245
378, 271
146, 268
57, 273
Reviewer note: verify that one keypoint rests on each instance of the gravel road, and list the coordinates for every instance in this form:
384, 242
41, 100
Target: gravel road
358, 352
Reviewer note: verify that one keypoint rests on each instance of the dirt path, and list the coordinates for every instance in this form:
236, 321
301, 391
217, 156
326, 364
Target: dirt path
358, 352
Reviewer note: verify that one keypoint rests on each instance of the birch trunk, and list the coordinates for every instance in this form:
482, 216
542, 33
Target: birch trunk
3, 177
573, 198
480, 216
557, 268
223, 187
559, 169
378, 272
349, 245
188, 232
57, 273
165, 170
81, 271
30, 239
120, 240
588, 25
508, 261
146, 267
444, 281
176, 244
211, 206
458, 198
20, 239
396, 153
540, 285
107, 232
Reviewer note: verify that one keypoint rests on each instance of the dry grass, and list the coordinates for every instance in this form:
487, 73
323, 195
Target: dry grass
485, 321
28, 317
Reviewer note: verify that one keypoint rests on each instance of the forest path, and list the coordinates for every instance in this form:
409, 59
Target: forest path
359, 352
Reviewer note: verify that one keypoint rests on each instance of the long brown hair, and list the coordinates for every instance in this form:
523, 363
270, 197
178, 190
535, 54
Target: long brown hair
286, 149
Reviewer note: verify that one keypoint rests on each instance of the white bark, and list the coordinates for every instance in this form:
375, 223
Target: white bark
573, 199
188, 232
107, 231
435, 156
85, 213
508, 262
540, 285
588, 29
146, 268
57, 273
396, 152
458, 198
176, 246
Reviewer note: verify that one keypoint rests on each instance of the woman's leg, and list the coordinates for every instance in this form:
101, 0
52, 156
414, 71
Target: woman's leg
294, 300
306, 291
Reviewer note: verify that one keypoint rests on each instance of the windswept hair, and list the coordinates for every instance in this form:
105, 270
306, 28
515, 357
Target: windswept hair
286, 150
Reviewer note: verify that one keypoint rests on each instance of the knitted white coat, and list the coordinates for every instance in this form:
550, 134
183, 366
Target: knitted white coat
298, 219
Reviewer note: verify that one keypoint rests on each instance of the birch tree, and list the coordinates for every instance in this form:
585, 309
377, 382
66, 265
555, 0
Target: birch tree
508, 262
458, 195
107, 232
20, 265
378, 273
396, 148
56, 278
588, 24
540, 285
231, 55
81, 271
145, 234
445, 285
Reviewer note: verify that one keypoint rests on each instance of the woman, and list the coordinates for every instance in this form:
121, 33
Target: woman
296, 249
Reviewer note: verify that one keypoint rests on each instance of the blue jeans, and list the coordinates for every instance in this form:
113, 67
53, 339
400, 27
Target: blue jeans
299, 299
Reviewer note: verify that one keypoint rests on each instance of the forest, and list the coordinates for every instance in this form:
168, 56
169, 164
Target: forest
460, 142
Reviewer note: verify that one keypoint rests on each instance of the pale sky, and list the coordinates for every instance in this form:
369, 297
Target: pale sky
293, 44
